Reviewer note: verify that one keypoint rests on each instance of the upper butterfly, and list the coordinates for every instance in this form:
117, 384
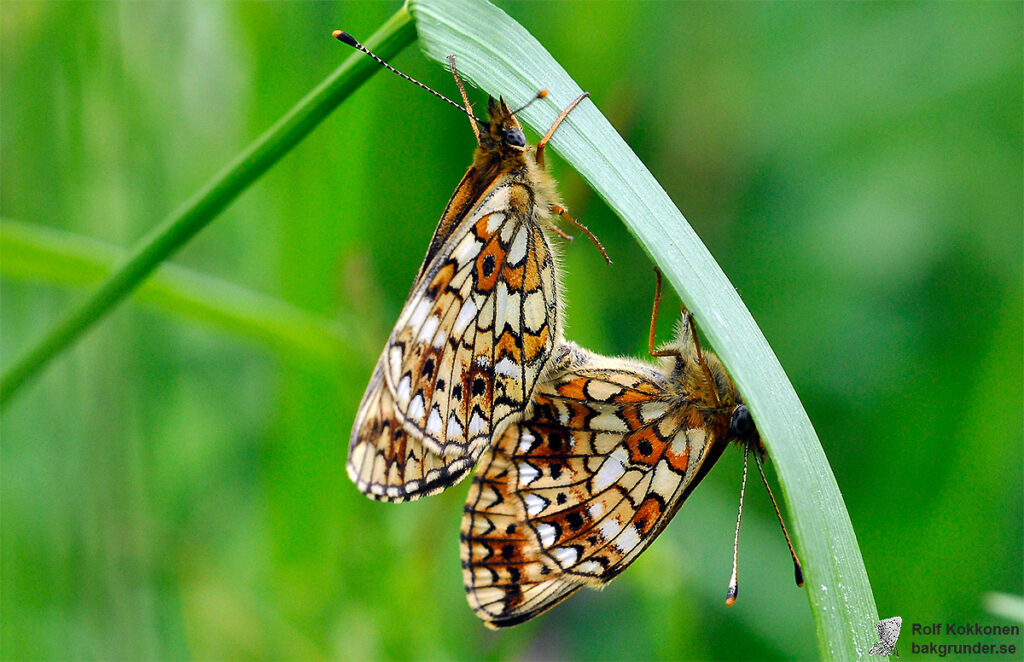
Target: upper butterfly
478, 328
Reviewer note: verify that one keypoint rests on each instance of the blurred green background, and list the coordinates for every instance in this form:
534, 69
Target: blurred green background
174, 486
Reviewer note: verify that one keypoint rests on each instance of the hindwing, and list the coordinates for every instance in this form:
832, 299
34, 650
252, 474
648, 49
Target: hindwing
389, 464
588, 480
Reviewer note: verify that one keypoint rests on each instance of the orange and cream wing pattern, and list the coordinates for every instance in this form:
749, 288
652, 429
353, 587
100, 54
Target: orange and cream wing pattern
574, 493
398, 462
466, 353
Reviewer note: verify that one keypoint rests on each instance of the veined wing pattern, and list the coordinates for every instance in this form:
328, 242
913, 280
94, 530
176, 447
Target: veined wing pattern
474, 336
572, 495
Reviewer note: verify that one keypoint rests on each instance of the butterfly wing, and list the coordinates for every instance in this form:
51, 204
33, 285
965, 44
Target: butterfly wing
595, 473
471, 342
389, 464
507, 581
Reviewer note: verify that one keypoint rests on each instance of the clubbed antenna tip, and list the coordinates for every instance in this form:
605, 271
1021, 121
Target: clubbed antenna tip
730, 596
346, 38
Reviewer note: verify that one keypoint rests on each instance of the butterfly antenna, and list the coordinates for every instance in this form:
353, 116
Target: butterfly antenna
797, 568
346, 38
540, 95
730, 595
465, 97
654, 319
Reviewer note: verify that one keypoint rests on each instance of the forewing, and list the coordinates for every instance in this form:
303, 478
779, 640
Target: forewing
478, 328
386, 462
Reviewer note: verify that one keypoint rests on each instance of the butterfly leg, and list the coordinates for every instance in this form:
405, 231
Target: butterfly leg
539, 153
688, 320
654, 319
584, 229
557, 230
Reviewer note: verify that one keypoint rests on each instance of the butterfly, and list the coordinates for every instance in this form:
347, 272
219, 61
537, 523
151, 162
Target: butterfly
477, 331
888, 632
573, 494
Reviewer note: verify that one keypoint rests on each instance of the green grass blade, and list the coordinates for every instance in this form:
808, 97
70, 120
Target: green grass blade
501, 57
183, 224
37, 253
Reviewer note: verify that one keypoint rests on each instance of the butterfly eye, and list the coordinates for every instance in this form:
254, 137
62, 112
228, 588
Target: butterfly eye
515, 137
741, 426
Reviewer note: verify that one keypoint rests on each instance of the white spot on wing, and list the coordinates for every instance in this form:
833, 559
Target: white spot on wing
467, 250
477, 424
500, 306
486, 315
507, 367
454, 430
466, 315
526, 440
419, 313
534, 311
495, 201
547, 534
628, 539
696, 436
416, 408
610, 528
428, 329
596, 509
518, 249
434, 422
395, 361
534, 504
493, 221
404, 391
528, 473
653, 410
611, 470
608, 422
566, 556
590, 567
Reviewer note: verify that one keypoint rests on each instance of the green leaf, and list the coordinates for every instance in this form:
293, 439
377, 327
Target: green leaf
501, 57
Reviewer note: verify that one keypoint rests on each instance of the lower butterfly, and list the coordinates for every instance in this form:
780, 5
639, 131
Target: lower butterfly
572, 495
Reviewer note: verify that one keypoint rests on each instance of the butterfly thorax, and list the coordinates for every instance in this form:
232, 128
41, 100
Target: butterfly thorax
712, 401
502, 152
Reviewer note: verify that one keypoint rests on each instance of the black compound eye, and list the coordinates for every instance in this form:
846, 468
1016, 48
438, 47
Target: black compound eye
741, 426
515, 137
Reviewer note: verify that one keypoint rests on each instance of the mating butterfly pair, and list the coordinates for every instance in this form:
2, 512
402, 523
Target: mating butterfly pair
585, 458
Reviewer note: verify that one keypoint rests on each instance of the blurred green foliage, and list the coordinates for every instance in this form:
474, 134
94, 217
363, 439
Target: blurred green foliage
173, 489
